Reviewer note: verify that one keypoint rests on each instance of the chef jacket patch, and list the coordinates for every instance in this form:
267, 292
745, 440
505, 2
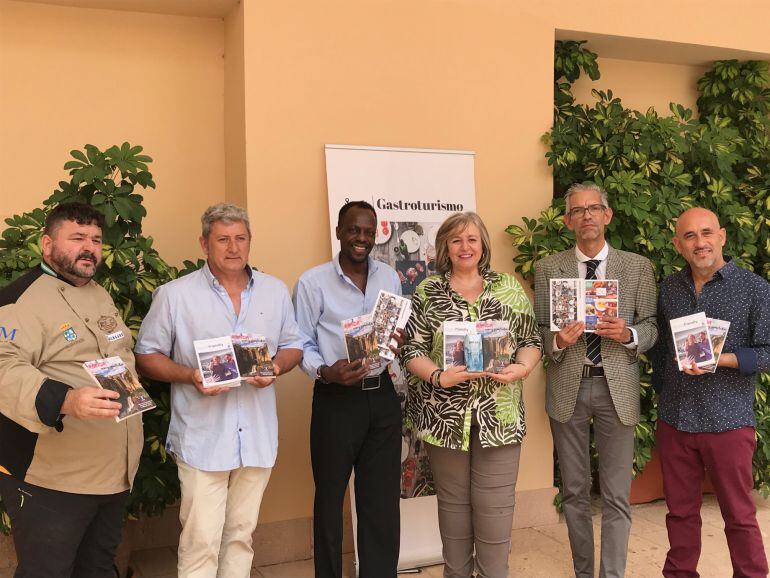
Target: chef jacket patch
107, 324
68, 332
7, 333
115, 336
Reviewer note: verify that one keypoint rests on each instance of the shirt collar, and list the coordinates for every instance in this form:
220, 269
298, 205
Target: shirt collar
488, 275
214, 282
373, 265
728, 269
600, 256
48, 270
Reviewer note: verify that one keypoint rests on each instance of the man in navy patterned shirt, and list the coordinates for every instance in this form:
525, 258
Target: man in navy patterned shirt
706, 420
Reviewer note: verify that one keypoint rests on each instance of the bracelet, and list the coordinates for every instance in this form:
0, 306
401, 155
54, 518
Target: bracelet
434, 376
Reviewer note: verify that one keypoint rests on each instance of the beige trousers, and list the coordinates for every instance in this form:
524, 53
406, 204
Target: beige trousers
219, 513
476, 491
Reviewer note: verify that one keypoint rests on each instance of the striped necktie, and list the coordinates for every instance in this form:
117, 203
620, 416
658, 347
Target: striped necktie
593, 341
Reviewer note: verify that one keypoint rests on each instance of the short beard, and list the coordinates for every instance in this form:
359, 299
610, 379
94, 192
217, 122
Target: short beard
72, 268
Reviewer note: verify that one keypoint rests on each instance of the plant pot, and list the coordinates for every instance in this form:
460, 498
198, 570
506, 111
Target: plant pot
648, 486
7, 554
123, 553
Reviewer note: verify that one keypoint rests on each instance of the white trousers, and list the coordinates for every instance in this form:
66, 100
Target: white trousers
219, 512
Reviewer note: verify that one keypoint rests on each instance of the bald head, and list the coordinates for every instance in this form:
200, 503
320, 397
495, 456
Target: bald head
699, 239
696, 215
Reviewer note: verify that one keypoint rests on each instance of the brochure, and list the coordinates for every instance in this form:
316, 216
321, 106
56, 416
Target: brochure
454, 342
691, 340
587, 300
478, 345
717, 334
361, 341
564, 302
111, 373
252, 355
216, 360
496, 343
391, 312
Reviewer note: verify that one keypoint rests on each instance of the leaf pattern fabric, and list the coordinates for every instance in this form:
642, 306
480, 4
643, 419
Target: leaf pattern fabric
442, 416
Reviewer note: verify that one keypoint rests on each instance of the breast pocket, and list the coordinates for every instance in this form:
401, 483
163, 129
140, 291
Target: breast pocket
266, 321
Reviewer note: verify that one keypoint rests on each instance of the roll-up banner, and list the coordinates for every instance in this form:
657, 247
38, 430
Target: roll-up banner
413, 191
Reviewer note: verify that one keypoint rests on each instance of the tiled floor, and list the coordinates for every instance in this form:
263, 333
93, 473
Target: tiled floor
541, 552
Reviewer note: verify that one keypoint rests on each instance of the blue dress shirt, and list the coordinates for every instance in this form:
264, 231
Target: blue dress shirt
238, 428
323, 297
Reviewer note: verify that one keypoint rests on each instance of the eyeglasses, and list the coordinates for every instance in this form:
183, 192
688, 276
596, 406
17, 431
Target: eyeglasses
593, 210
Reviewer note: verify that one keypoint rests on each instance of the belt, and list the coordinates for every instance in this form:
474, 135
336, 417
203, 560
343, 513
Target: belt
370, 382
593, 371
366, 384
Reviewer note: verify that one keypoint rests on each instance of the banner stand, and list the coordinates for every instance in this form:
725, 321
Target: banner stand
412, 191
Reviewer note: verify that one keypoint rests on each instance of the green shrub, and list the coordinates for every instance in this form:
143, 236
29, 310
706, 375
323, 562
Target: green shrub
131, 271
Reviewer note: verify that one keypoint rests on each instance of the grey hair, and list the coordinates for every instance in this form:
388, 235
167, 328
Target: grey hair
225, 212
456, 223
582, 187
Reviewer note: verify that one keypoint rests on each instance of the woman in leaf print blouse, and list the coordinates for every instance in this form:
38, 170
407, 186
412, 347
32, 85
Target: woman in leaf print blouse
472, 423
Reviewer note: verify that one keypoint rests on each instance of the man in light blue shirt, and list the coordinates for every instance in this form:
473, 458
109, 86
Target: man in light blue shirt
225, 439
356, 421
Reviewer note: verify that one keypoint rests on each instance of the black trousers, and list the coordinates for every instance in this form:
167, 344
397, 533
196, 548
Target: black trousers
352, 429
63, 535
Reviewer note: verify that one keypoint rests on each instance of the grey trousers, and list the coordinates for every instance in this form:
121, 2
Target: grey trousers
615, 446
476, 494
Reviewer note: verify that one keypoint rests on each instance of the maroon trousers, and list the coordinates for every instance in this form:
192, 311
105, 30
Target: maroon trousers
685, 457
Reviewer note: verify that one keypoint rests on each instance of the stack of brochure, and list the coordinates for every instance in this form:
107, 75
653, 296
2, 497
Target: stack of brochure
368, 337
698, 340
224, 361
587, 300
478, 345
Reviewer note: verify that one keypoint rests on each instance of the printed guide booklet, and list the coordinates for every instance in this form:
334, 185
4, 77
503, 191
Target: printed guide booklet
216, 360
361, 341
717, 334
587, 300
478, 345
252, 355
691, 340
111, 373
391, 312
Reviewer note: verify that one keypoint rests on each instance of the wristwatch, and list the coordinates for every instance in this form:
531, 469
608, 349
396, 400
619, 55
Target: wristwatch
319, 376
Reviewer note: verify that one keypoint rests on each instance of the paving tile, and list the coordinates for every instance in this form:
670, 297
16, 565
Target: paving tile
428, 572
526, 540
538, 564
154, 563
654, 512
541, 552
303, 569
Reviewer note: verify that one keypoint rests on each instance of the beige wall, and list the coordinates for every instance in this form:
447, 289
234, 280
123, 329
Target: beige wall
235, 109
71, 76
464, 74
629, 81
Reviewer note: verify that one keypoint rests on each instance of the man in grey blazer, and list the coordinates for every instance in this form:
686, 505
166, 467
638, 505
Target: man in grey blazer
595, 376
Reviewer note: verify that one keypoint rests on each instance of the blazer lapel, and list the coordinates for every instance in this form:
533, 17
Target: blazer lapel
568, 264
614, 264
